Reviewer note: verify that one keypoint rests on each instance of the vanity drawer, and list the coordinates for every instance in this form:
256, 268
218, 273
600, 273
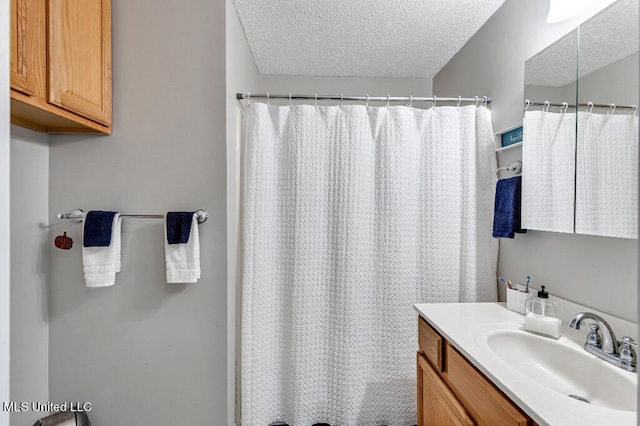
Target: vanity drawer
430, 344
481, 398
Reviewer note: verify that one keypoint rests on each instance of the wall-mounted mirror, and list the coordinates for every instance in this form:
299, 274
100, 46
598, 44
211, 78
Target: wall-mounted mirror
607, 138
548, 148
580, 155
550, 75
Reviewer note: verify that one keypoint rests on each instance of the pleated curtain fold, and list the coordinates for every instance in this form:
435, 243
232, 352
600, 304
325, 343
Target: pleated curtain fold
351, 215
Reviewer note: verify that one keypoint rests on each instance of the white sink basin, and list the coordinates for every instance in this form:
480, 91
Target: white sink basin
561, 365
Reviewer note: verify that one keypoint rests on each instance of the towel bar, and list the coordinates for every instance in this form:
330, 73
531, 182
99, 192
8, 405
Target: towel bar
77, 216
516, 167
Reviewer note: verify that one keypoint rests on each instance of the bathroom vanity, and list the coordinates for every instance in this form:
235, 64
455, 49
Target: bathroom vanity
477, 365
452, 391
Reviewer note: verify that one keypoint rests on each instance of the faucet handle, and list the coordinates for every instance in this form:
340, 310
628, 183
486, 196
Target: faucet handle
593, 338
628, 357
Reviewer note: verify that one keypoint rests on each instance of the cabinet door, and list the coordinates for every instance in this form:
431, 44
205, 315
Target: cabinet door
79, 47
437, 405
480, 397
28, 54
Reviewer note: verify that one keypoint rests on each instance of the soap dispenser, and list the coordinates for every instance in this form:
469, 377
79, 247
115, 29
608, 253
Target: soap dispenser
542, 315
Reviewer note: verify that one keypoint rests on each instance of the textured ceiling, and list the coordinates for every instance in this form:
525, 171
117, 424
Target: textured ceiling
609, 36
604, 39
363, 38
556, 65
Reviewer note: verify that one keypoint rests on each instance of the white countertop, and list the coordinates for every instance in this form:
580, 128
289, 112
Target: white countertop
459, 323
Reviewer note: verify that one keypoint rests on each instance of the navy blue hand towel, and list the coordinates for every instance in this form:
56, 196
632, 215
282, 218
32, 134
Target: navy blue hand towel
179, 227
506, 216
97, 228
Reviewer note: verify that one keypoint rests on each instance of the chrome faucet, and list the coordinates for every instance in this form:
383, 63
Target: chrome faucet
605, 345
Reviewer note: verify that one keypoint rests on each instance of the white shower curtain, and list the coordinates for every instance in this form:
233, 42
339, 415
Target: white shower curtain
351, 215
607, 175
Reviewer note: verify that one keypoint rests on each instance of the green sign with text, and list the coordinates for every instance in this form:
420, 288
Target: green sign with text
512, 136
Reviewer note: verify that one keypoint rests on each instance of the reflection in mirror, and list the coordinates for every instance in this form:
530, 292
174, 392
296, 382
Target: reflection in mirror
585, 181
550, 75
548, 150
607, 137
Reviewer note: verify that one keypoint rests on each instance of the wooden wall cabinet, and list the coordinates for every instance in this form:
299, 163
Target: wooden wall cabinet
451, 391
61, 65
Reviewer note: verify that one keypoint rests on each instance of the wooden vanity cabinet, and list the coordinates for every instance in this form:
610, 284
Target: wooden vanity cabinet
451, 391
437, 405
61, 65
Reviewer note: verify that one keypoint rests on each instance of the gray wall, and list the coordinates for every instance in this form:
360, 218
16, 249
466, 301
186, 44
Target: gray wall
4, 210
30, 245
143, 351
616, 83
594, 271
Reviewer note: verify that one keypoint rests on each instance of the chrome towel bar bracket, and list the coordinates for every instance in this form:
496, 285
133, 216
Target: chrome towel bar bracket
516, 168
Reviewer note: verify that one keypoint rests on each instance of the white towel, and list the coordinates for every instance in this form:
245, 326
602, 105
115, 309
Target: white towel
607, 175
101, 264
548, 171
183, 260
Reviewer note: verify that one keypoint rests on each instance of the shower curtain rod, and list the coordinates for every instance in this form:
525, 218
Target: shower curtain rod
249, 96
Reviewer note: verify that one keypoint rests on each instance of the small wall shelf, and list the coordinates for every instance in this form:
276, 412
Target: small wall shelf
512, 134
508, 147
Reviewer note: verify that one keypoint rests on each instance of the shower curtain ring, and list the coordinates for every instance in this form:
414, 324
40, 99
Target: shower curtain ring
477, 100
565, 107
589, 107
635, 109
526, 105
613, 108
341, 99
410, 101
546, 106
367, 102
316, 100
268, 101
486, 101
388, 98
249, 99
433, 102
459, 101
290, 100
